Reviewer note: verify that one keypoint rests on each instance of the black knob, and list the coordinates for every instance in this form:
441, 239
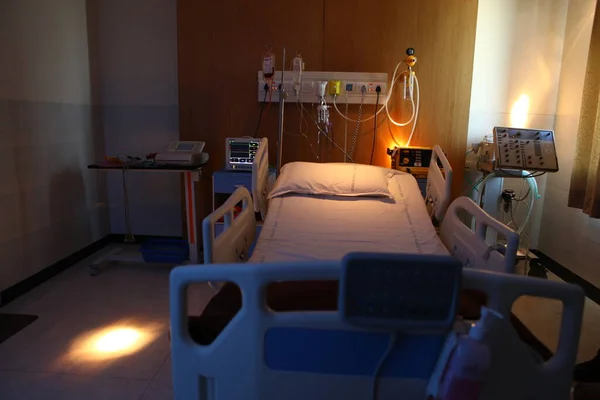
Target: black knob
410, 51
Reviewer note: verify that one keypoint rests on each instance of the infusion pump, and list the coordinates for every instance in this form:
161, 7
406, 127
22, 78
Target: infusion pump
414, 160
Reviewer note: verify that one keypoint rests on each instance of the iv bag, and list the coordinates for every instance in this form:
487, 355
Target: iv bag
268, 64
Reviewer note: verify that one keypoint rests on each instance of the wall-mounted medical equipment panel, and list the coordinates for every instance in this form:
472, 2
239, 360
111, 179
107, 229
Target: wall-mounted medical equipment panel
341, 84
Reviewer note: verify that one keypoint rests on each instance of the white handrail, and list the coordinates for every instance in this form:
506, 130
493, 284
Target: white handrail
470, 246
439, 184
239, 232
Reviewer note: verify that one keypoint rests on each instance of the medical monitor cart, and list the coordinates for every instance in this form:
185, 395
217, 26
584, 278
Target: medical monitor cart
513, 153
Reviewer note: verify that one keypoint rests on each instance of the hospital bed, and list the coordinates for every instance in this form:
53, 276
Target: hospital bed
263, 355
305, 221
231, 350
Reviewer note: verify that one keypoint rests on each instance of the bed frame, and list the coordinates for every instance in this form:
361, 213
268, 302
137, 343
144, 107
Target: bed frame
439, 184
264, 355
468, 245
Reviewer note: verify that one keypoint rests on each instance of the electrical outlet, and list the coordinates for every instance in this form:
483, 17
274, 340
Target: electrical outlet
334, 87
308, 87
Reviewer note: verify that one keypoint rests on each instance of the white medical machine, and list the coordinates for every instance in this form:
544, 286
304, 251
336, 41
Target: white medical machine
511, 153
183, 153
514, 149
240, 153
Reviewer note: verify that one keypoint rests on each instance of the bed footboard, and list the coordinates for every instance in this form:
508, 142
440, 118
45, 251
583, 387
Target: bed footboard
439, 184
267, 355
239, 231
470, 246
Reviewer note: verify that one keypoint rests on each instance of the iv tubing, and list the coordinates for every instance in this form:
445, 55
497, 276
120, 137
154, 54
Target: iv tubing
395, 77
534, 194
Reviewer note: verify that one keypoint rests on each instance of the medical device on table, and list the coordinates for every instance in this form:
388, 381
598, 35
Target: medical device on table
265, 355
183, 153
240, 153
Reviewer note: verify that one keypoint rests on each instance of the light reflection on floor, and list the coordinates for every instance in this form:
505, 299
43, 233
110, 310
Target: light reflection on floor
117, 340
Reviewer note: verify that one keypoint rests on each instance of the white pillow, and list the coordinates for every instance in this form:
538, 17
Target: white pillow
332, 179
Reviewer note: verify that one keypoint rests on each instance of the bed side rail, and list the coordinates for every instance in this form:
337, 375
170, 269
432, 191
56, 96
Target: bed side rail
234, 365
439, 184
260, 178
470, 246
238, 234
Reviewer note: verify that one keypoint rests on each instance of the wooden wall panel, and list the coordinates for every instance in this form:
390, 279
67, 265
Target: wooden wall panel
220, 49
220, 45
443, 35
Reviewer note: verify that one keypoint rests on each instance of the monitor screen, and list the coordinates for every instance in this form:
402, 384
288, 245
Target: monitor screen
242, 152
185, 146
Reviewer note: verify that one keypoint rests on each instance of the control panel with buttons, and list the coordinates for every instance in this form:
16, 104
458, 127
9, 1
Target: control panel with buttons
525, 149
404, 292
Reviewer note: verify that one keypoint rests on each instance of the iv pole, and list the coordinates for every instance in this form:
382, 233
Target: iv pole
282, 97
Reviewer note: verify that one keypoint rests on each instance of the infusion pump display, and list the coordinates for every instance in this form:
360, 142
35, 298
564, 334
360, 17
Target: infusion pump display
240, 153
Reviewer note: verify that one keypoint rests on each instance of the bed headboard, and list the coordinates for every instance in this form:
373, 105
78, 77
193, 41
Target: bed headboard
439, 184
267, 355
470, 245
260, 178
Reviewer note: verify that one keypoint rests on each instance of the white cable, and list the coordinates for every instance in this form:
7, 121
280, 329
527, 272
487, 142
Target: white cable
533, 185
391, 344
395, 77
345, 130
345, 116
416, 112
331, 140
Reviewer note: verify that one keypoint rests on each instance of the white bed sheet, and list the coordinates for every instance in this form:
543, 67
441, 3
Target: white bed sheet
304, 227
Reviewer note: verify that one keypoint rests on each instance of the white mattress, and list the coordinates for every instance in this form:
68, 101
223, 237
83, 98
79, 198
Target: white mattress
302, 227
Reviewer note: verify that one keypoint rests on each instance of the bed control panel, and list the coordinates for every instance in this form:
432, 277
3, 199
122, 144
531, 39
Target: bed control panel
401, 292
525, 149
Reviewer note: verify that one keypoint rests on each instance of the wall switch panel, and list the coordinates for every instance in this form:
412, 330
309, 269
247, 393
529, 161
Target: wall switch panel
525, 149
350, 87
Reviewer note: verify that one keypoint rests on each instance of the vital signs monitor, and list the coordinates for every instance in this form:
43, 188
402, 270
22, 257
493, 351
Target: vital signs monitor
240, 153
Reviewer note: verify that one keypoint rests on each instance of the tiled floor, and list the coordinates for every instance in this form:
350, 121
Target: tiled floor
542, 316
55, 357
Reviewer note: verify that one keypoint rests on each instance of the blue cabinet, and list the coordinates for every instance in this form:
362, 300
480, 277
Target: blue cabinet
227, 181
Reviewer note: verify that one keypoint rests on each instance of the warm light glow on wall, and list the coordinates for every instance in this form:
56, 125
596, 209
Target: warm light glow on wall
111, 342
520, 111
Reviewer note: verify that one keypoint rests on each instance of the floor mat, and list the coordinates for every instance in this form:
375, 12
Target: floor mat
13, 323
